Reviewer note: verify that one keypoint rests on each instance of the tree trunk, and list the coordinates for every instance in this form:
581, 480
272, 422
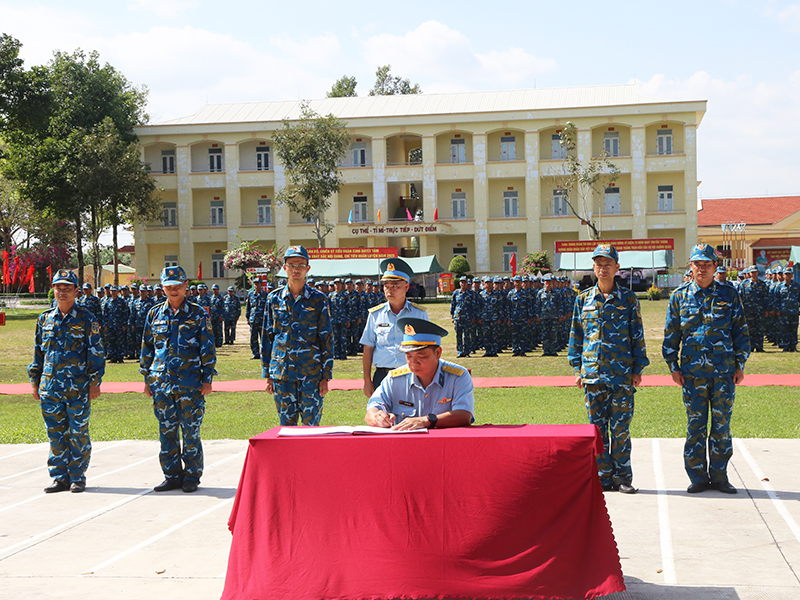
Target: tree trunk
96, 246
79, 247
116, 260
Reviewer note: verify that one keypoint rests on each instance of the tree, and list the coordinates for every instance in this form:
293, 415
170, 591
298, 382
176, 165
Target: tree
310, 151
581, 180
388, 85
459, 266
248, 255
536, 263
345, 87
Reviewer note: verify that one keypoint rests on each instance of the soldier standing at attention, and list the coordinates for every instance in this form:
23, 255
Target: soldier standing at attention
134, 341
115, 317
787, 301
706, 345
381, 338
217, 314
65, 374
490, 317
233, 310
254, 314
754, 295
91, 303
340, 315
549, 313
607, 351
177, 361
297, 344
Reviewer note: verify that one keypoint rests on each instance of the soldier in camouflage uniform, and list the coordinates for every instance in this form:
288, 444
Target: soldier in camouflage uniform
518, 317
340, 319
607, 351
476, 328
549, 310
134, 338
754, 295
146, 302
461, 315
490, 316
115, 319
92, 303
217, 314
297, 344
65, 375
787, 301
254, 314
706, 345
233, 310
177, 361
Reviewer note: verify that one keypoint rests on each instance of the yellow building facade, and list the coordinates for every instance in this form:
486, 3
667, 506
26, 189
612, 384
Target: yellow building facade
478, 173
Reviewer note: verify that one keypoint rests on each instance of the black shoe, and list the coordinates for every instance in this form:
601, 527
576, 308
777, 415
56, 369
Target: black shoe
77, 487
723, 486
56, 486
189, 486
698, 486
610, 487
626, 488
255, 358
461, 356
167, 485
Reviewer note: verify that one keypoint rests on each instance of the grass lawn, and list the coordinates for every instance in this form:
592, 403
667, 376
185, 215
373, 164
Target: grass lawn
760, 412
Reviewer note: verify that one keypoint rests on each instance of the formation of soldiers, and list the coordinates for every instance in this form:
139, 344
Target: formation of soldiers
520, 313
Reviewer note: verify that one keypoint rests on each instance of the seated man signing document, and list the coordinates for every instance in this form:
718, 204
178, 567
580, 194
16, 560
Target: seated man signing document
428, 392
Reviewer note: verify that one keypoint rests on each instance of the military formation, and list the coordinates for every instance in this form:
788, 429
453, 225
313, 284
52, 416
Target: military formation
771, 306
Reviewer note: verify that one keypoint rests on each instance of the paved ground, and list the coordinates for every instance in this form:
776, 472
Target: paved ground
120, 540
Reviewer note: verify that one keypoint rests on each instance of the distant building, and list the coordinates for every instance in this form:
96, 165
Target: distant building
486, 164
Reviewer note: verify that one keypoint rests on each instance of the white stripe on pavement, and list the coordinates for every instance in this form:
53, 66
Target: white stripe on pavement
35, 447
45, 467
667, 557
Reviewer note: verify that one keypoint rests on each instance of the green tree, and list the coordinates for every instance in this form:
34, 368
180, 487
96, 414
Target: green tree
459, 266
535, 263
310, 151
582, 179
345, 87
388, 85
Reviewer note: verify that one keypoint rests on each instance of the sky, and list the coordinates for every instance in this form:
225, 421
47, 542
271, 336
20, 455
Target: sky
742, 57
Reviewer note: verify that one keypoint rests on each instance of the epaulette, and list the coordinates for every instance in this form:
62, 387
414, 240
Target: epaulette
380, 306
419, 306
454, 370
399, 371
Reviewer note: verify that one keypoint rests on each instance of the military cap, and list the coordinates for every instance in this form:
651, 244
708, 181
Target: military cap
146, 288
337, 280
295, 251
157, 286
202, 286
173, 276
606, 250
703, 252
463, 278
124, 287
87, 286
547, 277
688, 273
517, 278
192, 287
231, 288
113, 288
311, 281
348, 280
108, 285
506, 278
419, 334
359, 281
777, 269
215, 286
135, 286
257, 281
65, 276
498, 279
722, 270
396, 268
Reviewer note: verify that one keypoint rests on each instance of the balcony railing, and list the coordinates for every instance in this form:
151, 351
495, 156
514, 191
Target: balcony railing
257, 223
207, 224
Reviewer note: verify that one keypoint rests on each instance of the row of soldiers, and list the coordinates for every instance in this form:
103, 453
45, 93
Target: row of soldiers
497, 313
349, 302
121, 313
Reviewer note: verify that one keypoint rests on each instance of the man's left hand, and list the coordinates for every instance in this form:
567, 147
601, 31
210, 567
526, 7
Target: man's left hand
206, 389
412, 423
323, 387
637, 380
94, 392
738, 376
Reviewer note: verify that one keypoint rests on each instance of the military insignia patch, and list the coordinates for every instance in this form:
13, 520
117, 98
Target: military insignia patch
390, 267
95, 327
445, 400
410, 330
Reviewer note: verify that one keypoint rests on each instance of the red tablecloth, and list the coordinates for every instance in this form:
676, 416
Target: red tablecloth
512, 511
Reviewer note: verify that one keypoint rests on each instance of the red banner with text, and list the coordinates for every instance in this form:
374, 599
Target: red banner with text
343, 253
645, 245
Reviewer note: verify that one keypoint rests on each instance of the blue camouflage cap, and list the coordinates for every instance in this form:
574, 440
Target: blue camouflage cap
703, 252
688, 273
173, 276
463, 278
517, 278
231, 288
311, 281
606, 250
215, 286
113, 288
547, 277
87, 286
295, 251
65, 276
721, 270
419, 334
396, 268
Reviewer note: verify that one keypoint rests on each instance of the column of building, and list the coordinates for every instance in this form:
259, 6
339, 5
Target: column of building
233, 196
429, 244
690, 184
480, 203
380, 192
533, 195
639, 182
183, 160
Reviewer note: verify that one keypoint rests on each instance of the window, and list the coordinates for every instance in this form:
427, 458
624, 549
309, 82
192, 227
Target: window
560, 206
612, 201
264, 211
508, 252
559, 151
459, 203
508, 147
665, 198
262, 158
664, 141
510, 204
217, 213
458, 151
170, 260
168, 161
360, 154
170, 214
215, 160
359, 209
611, 143
217, 266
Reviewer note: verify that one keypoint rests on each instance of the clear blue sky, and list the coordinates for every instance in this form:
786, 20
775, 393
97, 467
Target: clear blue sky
741, 56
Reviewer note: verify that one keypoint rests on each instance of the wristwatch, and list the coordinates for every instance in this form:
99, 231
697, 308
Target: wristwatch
432, 419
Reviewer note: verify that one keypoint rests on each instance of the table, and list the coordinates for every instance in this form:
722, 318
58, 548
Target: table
492, 511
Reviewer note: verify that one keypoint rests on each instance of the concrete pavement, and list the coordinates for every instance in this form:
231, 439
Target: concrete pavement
121, 540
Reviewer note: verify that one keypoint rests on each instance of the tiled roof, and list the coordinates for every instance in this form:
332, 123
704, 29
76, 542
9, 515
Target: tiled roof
753, 211
776, 242
421, 104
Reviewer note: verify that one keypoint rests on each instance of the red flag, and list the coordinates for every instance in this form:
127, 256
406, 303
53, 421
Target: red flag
31, 286
24, 272
49, 274
408, 212
436, 214
6, 268
16, 270
513, 263
200, 271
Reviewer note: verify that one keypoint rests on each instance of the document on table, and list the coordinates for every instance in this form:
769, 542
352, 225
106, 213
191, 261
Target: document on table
342, 430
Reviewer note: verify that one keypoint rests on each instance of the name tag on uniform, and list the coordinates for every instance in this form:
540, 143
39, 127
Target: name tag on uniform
587, 307
384, 324
406, 403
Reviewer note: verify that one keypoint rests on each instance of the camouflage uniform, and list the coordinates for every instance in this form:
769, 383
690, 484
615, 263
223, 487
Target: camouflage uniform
134, 337
178, 357
606, 348
754, 301
67, 360
706, 338
518, 320
461, 313
787, 302
549, 311
93, 305
297, 352
115, 319
490, 316
475, 330
340, 315
233, 310
217, 314
254, 313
